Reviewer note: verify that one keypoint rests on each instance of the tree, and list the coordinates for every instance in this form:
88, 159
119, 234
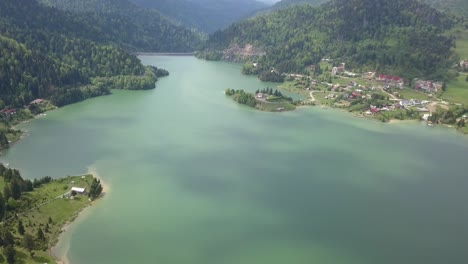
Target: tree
15, 189
28, 243
10, 254
96, 188
26, 186
20, 227
11, 204
40, 234
461, 123
7, 238
2, 207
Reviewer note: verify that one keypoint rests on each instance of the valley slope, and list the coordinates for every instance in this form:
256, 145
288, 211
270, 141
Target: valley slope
401, 37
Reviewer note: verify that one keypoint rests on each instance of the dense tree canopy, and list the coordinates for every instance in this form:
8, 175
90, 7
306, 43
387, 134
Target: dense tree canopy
135, 28
48, 53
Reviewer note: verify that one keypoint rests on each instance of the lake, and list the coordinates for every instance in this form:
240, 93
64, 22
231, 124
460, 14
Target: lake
194, 178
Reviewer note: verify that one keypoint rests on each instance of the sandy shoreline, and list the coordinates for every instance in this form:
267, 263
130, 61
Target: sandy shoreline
80, 214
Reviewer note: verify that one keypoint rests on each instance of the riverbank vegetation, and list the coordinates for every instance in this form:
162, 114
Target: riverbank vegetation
33, 213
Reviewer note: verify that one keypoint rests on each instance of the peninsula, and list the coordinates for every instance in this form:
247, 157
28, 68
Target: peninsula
33, 213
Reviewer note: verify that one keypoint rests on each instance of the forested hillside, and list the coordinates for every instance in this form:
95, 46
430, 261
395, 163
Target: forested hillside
205, 15
134, 28
401, 37
47, 53
458, 7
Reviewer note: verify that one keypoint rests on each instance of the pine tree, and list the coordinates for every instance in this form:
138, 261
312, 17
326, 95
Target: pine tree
40, 234
15, 189
7, 238
2, 207
95, 190
10, 254
28, 243
20, 227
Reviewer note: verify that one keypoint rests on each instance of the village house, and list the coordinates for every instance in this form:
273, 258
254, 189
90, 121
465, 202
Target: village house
8, 111
339, 69
464, 64
260, 95
374, 109
405, 103
37, 101
369, 75
79, 190
390, 80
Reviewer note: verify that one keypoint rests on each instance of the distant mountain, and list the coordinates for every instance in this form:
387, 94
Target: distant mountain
401, 37
458, 7
130, 26
288, 3
205, 15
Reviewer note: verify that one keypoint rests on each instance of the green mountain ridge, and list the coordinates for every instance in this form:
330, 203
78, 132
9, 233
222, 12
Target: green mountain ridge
401, 37
132, 27
204, 15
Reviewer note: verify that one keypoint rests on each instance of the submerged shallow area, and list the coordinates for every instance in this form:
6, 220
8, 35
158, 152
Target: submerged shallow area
196, 178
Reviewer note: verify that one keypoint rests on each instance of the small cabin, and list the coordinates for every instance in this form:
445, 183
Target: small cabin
79, 190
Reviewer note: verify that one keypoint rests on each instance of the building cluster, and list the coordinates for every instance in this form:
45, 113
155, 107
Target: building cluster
391, 81
428, 86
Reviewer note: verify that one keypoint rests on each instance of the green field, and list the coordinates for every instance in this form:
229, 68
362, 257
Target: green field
413, 94
46, 208
294, 87
273, 106
457, 90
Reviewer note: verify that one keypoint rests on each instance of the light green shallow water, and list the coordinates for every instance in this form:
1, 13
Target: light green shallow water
196, 178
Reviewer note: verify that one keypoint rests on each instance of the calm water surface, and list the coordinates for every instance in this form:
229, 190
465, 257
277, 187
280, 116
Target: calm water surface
195, 178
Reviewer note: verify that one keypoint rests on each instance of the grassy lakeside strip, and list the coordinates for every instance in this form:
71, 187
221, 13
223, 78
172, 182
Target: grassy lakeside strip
33, 222
267, 100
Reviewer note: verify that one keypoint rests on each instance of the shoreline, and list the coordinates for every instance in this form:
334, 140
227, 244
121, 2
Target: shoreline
164, 53
67, 225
